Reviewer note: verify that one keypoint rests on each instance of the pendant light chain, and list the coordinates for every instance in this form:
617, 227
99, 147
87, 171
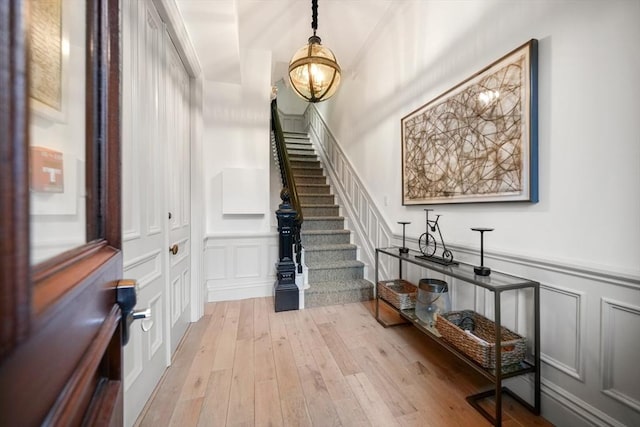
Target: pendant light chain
314, 15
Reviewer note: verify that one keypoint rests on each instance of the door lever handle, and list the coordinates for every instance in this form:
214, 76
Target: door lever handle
142, 314
145, 316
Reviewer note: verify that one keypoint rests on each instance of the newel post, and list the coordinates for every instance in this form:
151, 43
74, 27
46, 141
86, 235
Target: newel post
286, 291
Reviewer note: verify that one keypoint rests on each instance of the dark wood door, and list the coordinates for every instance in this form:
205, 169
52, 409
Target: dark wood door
60, 331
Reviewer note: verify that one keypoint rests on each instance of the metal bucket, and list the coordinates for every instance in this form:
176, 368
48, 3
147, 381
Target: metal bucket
433, 298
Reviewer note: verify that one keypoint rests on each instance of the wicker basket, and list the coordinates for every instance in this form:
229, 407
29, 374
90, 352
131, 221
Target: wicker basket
479, 343
399, 293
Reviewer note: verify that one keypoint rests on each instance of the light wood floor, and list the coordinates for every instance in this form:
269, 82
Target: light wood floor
244, 365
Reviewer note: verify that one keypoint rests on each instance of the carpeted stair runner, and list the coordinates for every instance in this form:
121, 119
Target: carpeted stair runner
335, 275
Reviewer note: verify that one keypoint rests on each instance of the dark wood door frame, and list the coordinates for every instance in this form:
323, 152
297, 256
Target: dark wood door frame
60, 338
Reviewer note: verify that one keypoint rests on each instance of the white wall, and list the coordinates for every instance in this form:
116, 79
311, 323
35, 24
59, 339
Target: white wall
236, 135
582, 240
288, 101
589, 135
236, 122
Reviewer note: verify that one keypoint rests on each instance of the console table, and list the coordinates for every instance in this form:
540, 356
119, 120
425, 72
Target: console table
497, 283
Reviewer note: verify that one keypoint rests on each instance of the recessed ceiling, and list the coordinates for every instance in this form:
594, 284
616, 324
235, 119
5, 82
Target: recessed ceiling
222, 30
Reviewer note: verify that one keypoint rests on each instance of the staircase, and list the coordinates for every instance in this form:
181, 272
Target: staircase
335, 275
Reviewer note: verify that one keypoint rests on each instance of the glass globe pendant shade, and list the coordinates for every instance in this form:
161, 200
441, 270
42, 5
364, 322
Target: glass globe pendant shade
314, 72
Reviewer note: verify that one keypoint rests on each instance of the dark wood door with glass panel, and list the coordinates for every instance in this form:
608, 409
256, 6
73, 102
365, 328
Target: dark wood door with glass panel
60, 257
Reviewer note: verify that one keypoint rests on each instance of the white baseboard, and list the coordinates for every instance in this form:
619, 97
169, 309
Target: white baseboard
239, 291
559, 404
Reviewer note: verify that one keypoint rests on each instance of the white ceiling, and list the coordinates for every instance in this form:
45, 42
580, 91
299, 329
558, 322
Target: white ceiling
224, 30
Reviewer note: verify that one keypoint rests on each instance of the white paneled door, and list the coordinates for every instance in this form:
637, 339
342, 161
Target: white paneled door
155, 181
178, 131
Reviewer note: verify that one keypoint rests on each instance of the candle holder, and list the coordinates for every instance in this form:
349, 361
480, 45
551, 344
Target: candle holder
481, 270
404, 249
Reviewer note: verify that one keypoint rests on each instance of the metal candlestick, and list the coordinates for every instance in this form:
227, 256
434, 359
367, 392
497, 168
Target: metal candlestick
404, 249
481, 270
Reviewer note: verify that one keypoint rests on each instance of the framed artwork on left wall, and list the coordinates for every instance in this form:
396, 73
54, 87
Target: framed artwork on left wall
477, 142
48, 58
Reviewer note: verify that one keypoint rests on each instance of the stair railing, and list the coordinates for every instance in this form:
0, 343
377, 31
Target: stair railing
290, 221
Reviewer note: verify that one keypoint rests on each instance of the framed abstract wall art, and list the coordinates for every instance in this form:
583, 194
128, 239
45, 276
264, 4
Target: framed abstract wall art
477, 142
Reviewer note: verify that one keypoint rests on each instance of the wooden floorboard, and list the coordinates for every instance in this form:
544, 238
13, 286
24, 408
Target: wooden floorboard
243, 364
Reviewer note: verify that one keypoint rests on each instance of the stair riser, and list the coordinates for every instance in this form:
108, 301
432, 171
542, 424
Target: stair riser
305, 164
306, 171
323, 224
312, 257
315, 199
321, 211
325, 239
311, 180
298, 146
313, 189
312, 299
333, 274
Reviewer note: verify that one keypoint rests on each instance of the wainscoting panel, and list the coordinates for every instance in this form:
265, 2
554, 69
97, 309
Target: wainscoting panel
292, 122
590, 318
620, 350
244, 268
561, 314
215, 262
239, 266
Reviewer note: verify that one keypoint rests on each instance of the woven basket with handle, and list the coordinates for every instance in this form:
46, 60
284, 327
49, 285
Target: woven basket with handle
399, 293
478, 341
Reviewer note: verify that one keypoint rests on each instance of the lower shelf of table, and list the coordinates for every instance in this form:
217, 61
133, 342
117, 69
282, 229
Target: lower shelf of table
409, 317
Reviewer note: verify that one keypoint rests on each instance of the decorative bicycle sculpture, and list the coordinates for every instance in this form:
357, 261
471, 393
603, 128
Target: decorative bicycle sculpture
428, 245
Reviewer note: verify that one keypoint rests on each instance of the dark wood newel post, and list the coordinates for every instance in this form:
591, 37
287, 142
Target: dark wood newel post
286, 291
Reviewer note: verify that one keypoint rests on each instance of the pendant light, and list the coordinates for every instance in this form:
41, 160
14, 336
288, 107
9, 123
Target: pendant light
314, 72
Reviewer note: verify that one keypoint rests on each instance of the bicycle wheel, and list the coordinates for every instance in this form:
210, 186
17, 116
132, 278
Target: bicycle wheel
427, 244
447, 255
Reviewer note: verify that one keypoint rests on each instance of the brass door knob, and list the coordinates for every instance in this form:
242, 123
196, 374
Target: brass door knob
174, 249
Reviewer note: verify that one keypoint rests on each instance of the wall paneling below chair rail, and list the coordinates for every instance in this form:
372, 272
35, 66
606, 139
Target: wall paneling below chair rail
239, 266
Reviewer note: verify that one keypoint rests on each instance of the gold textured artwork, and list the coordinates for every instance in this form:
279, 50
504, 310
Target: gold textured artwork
478, 141
46, 52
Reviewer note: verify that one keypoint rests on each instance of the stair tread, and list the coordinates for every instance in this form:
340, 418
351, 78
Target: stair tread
332, 265
330, 247
318, 205
321, 232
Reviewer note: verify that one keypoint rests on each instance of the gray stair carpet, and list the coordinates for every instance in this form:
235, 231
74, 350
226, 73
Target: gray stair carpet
335, 275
